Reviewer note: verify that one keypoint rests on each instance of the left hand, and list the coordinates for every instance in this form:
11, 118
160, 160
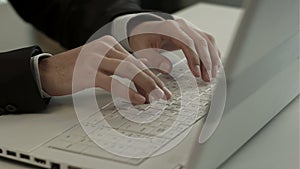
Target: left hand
94, 64
199, 48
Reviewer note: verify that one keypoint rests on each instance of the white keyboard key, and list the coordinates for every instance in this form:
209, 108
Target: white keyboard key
192, 106
188, 112
174, 107
159, 105
159, 130
163, 118
116, 121
147, 116
151, 112
142, 106
187, 120
170, 113
131, 134
175, 131
131, 126
154, 124
169, 122
159, 140
109, 108
122, 104
145, 129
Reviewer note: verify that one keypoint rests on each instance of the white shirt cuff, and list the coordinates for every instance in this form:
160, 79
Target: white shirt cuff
35, 61
119, 27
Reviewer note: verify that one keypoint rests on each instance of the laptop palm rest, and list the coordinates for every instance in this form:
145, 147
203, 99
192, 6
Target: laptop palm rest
25, 132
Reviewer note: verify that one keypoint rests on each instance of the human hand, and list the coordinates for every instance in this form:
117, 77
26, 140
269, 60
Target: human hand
56, 72
199, 48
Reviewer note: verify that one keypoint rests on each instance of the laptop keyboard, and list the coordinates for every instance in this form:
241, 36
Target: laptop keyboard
148, 120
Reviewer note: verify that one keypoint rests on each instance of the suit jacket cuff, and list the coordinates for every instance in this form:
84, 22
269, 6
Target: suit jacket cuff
18, 87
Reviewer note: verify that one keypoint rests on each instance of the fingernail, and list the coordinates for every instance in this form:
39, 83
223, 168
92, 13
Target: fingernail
198, 70
156, 94
206, 77
166, 67
139, 98
166, 89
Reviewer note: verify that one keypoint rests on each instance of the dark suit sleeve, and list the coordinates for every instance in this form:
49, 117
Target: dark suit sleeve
72, 22
18, 89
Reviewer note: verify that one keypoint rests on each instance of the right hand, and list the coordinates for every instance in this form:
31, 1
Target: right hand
56, 72
200, 49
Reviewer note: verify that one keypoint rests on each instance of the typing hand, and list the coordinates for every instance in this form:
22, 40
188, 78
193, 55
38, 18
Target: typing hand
198, 47
56, 72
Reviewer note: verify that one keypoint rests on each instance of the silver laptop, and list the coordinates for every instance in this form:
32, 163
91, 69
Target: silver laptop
262, 78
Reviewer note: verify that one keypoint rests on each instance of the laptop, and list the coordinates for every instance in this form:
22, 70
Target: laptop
262, 78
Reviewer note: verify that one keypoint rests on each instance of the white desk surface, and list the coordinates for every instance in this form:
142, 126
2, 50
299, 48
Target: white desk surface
276, 146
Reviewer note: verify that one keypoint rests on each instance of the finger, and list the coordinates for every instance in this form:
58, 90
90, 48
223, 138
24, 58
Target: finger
215, 53
120, 53
202, 46
128, 70
192, 58
153, 87
119, 47
108, 65
204, 73
117, 53
118, 89
146, 70
178, 37
167, 92
139, 64
100, 46
155, 60
210, 39
113, 48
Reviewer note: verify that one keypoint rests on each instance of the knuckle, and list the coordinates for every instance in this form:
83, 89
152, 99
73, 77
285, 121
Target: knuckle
129, 64
189, 42
135, 62
202, 42
168, 23
211, 38
180, 20
129, 67
108, 38
102, 45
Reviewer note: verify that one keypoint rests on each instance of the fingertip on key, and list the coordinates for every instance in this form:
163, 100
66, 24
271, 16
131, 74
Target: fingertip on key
139, 99
197, 71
